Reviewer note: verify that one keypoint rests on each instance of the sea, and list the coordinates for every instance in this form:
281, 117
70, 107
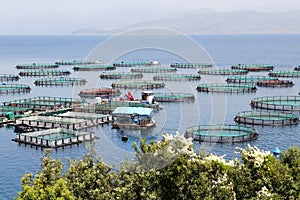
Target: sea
282, 51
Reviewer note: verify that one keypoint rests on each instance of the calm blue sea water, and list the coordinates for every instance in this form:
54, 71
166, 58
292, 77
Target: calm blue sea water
282, 51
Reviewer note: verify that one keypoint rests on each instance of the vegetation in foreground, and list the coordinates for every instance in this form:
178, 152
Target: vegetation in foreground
169, 169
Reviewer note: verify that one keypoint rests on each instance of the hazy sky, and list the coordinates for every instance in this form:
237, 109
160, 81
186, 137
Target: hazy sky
65, 16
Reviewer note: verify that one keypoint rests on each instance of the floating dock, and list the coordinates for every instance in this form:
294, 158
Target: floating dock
173, 97
77, 62
121, 75
99, 92
138, 84
14, 88
226, 88
9, 77
60, 81
266, 118
275, 83
154, 69
177, 77
37, 66
45, 73
249, 79
285, 74
131, 64
223, 71
93, 67
221, 133
283, 103
190, 65
253, 67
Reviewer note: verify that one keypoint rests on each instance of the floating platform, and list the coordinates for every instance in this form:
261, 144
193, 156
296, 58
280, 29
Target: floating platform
266, 118
14, 109
275, 83
60, 82
190, 65
138, 84
223, 71
283, 103
221, 133
77, 62
93, 67
54, 138
9, 77
132, 64
173, 97
177, 77
249, 79
45, 73
226, 88
285, 74
99, 92
153, 69
37, 66
253, 67
92, 117
14, 88
121, 75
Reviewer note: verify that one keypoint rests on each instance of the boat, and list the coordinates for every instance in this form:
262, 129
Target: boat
23, 128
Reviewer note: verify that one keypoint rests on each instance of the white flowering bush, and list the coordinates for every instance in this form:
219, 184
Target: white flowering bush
254, 155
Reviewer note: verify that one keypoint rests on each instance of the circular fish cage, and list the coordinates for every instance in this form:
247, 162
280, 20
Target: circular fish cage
153, 69
99, 92
253, 67
93, 67
266, 118
223, 71
60, 82
121, 75
76, 62
249, 79
45, 73
173, 97
177, 77
14, 88
221, 133
131, 64
190, 65
285, 74
275, 83
138, 84
37, 66
9, 77
284, 103
226, 88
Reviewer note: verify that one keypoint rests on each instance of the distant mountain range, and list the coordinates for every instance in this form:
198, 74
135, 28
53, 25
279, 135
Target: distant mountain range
213, 22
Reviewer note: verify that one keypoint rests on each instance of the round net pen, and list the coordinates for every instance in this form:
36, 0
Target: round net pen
138, 84
60, 82
9, 77
285, 74
253, 67
173, 97
221, 133
249, 79
131, 64
153, 69
284, 103
76, 62
99, 92
37, 66
226, 88
223, 71
190, 65
45, 73
121, 75
266, 118
93, 67
275, 83
14, 88
177, 77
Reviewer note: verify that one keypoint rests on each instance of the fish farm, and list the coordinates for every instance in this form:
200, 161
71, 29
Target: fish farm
37, 66
223, 71
54, 138
283, 103
221, 133
154, 69
60, 81
121, 75
132, 64
45, 73
177, 77
173, 97
190, 65
76, 62
138, 84
99, 92
93, 67
226, 88
275, 83
253, 67
266, 118
249, 79
9, 77
14, 88
285, 74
